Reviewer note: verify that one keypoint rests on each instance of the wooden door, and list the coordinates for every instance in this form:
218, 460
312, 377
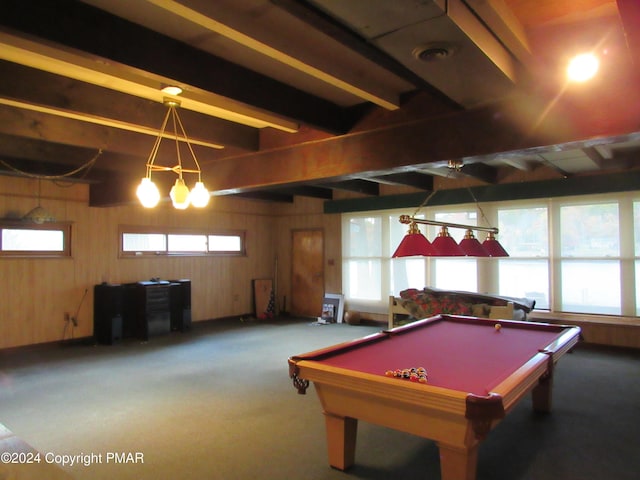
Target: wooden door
307, 272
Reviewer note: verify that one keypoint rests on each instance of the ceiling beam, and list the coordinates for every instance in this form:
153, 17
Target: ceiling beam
586, 185
481, 171
29, 149
31, 89
106, 73
470, 136
623, 158
266, 196
128, 50
356, 185
519, 163
411, 179
307, 191
595, 156
318, 20
354, 85
57, 129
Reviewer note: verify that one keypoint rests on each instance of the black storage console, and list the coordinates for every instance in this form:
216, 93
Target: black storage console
152, 303
141, 310
180, 304
107, 313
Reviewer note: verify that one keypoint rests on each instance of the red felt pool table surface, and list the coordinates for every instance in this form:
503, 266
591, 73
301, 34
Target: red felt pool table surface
462, 354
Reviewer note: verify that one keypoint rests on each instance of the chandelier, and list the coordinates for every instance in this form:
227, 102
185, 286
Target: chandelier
180, 195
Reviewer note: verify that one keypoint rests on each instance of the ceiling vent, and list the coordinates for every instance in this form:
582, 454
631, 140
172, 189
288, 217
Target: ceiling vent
451, 44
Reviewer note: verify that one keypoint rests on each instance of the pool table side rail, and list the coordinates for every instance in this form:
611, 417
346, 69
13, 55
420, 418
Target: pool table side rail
538, 369
331, 350
482, 411
477, 320
424, 410
393, 389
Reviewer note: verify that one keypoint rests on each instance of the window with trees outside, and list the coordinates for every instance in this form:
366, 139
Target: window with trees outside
570, 254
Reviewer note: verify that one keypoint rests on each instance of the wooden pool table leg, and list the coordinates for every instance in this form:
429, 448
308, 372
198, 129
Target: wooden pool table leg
341, 440
541, 394
458, 463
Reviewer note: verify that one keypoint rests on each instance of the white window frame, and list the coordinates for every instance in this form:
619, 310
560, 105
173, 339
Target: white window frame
62, 227
237, 235
488, 267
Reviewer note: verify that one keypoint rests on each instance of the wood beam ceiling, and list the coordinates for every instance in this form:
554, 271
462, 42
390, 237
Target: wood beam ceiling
85, 28
57, 96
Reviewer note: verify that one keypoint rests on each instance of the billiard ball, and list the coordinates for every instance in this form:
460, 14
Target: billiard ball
498, 327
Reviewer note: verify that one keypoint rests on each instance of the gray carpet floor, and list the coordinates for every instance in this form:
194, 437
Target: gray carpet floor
217, 403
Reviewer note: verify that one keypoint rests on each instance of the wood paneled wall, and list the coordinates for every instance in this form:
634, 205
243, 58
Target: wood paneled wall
37, 292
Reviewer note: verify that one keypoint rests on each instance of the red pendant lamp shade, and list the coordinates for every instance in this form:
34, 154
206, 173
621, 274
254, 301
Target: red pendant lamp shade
493, 247
446, 246
471, 246
414, 244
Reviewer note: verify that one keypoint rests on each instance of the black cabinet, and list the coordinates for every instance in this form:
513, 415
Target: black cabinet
153, 316
180, 304
108, 303
141, 310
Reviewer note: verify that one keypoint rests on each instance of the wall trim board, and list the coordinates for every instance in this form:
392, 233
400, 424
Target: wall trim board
586, 185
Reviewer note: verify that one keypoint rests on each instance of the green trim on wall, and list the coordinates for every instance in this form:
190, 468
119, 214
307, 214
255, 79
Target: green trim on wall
588, 185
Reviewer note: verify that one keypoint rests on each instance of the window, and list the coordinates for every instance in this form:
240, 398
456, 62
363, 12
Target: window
141, 242
225, 243
404, 272
524, 233
570, 254
590, 258
455, 273
52, 239
363, 265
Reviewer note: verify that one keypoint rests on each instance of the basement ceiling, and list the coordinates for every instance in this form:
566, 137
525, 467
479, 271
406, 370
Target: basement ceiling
285, 98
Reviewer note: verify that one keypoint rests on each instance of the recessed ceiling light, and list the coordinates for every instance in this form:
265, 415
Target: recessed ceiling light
582, 67
172, 90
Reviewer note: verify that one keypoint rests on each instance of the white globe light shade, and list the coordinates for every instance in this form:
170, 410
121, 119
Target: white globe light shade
148, 193
199, 195
179, 194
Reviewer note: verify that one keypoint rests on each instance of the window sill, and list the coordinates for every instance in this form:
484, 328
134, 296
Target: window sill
608, 330
562, 317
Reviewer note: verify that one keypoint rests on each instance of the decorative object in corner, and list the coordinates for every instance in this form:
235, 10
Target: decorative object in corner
38, 214
334, 303
328, 313
264, 302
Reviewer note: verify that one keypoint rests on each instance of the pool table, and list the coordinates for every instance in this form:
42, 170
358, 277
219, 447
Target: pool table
477, 371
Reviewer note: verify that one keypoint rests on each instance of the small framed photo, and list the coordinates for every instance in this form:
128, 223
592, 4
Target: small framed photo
333, 303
